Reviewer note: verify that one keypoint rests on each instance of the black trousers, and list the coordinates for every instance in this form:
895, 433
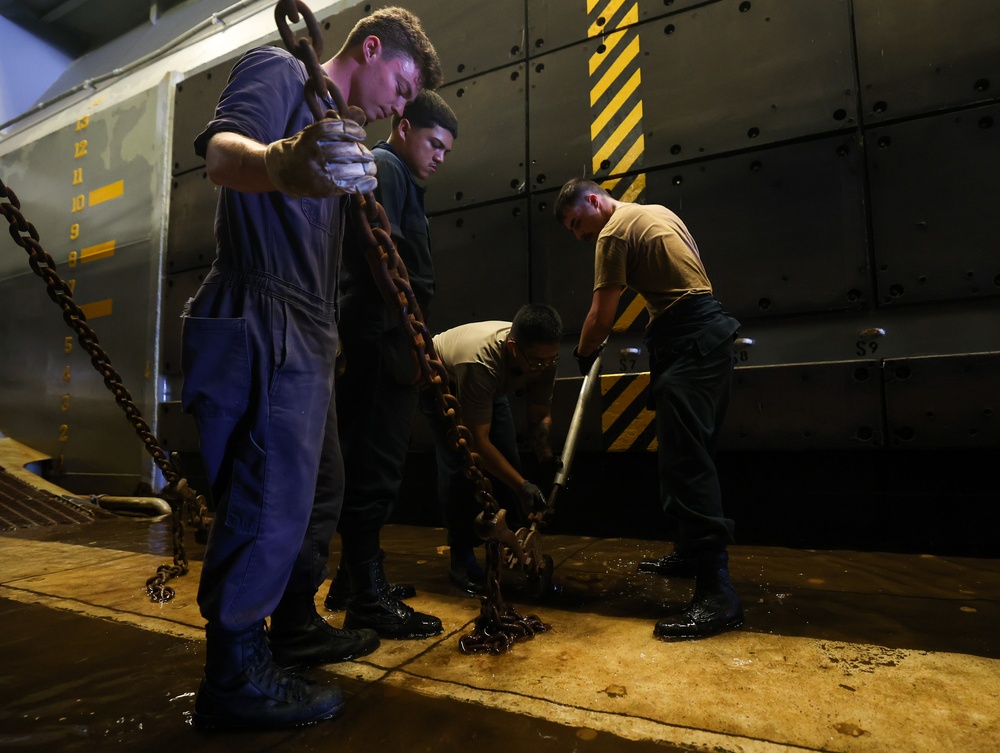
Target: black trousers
375, 415
456, 492
691, 371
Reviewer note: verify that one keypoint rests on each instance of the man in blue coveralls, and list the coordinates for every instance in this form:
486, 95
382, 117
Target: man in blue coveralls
260, 341
377, 394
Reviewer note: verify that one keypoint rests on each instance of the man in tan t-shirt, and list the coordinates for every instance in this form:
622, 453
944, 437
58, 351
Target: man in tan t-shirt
690, 342
486, 362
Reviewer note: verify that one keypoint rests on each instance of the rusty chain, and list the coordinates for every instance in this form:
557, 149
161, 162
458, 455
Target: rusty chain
498, 625
177, 493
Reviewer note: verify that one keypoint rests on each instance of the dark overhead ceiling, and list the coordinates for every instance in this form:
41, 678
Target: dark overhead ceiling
78, 26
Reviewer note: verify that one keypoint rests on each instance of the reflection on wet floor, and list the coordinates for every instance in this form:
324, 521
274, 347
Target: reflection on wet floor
842, 651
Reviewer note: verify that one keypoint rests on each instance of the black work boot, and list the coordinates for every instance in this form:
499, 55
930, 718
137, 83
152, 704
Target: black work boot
715, 607
300, 636
371, 606
677, 564
243, 688
340, 588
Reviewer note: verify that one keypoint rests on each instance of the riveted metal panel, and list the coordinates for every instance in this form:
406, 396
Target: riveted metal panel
921, 414
559, 112
177, 289
488, 161
713, 79
556, 23
191, 241
934, 186
474, 36
562, 268
194, 105
178, 431
893, 332
98, 197
919, 55
805, 406
712, 84
780, 230
481, 264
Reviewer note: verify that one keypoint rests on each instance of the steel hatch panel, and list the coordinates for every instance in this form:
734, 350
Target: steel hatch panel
921, 55
488, 160
920, 414
934, 183
781, 230
481, 264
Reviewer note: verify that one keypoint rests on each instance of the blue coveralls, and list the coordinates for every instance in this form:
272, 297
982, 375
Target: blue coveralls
259, 349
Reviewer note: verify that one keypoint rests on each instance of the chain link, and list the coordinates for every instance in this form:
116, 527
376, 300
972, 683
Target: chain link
498, 625
178, 494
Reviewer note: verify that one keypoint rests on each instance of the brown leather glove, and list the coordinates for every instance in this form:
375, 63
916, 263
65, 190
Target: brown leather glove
325, 158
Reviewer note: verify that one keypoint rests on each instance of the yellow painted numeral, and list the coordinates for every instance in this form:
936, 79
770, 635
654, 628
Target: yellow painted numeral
66, 377
73, 255
63, 432
83, 122
77, 176
64, 403
79, 203
80, 149
72, 284
68, 344
74, 231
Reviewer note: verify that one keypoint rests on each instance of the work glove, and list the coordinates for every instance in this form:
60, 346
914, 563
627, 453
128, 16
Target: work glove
530, 498
324, 159
585, 362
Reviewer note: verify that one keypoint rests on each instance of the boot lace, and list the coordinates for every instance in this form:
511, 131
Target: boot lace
272, 679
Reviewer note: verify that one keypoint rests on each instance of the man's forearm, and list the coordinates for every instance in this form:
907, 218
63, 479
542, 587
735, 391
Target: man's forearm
234, 161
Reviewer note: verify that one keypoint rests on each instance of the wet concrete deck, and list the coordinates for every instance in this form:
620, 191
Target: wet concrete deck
841, 651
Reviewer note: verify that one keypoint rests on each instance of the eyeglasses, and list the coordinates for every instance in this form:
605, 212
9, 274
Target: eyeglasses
534, 364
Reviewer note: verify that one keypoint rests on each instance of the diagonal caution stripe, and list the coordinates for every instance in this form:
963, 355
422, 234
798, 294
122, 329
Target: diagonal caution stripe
630, 53
605, 19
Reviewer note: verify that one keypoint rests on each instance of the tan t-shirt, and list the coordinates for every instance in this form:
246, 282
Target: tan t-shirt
474, 357
649, 249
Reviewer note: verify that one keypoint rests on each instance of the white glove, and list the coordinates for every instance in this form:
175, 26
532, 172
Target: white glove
325, 158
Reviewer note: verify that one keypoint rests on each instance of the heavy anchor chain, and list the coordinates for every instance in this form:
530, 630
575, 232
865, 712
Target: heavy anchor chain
498, 625
182, 498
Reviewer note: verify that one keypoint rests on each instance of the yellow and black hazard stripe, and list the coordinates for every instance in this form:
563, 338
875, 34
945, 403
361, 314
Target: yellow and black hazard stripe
626, 423
616, 133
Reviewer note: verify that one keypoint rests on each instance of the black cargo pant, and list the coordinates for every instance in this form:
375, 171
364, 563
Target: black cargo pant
691, 368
